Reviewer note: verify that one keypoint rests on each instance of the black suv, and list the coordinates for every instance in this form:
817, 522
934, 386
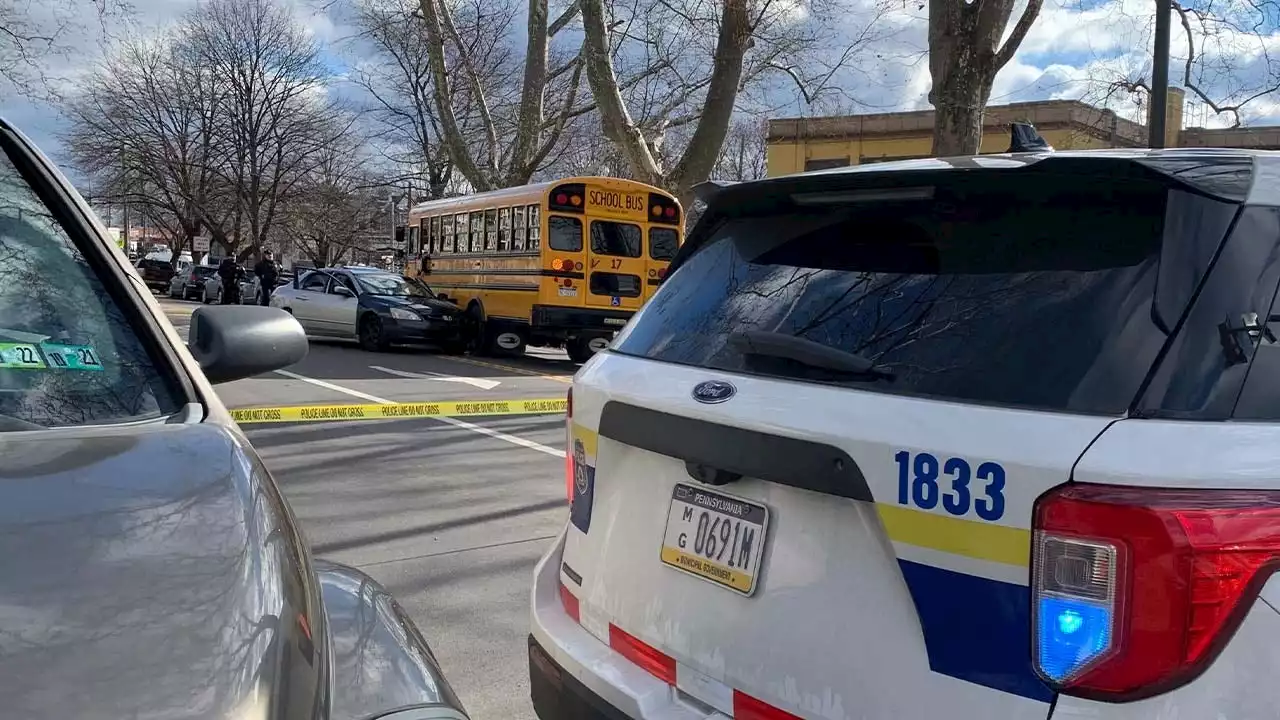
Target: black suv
155, 273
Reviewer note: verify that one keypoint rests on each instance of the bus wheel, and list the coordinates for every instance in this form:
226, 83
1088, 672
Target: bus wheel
505, 342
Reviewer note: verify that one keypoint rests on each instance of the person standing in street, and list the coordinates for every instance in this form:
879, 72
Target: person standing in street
229, 274
267, 272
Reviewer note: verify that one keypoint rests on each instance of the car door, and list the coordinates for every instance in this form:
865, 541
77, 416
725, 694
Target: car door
308, 305
339, 308
178, 282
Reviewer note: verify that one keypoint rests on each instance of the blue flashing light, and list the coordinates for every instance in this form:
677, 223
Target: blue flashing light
1071, 634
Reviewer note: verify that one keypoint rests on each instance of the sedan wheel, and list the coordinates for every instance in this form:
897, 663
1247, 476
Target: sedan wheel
372, 338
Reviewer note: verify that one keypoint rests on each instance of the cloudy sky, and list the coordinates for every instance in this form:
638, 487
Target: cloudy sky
1077, 49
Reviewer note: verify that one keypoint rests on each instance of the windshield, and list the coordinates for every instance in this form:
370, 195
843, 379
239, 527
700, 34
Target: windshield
68, 355
392, 285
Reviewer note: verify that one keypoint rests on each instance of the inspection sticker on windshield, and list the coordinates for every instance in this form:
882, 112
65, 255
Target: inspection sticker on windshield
715, 537
72, 357
20, 355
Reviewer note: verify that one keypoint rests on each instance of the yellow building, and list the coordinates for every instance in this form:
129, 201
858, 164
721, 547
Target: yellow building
800, 144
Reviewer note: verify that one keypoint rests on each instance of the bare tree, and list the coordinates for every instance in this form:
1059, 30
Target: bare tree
964, 56
655, 68
398, 79
333, 208
138, 129
743, 156
519, 122
1221, 53
34, 35
276, 116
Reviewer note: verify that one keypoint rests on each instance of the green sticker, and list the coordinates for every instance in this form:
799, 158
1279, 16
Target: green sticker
72, 357
20, 355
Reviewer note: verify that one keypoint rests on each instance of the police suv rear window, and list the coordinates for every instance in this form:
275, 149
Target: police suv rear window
996, 290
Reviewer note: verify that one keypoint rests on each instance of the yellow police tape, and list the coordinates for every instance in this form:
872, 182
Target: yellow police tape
398, 411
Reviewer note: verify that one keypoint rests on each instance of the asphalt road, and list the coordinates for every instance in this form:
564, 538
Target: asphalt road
450, 516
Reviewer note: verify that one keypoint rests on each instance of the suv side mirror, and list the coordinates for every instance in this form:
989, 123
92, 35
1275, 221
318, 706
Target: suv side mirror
238, 341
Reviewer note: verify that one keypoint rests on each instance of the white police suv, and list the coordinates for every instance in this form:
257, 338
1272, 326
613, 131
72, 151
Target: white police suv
991, 437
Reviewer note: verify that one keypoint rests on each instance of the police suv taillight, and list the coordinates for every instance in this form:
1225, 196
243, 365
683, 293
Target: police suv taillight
1135, 590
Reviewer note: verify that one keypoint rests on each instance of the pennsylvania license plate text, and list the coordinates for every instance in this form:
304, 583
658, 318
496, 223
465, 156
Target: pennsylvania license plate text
716, 537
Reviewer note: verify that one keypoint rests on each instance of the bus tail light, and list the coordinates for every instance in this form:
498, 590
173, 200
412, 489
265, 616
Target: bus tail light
567, 197
662, 273
1135, 590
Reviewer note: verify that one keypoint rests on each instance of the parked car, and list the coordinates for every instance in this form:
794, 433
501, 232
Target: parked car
988, 437
213, 288
189, 283
156, 274
373, 306
250, 288
152, 567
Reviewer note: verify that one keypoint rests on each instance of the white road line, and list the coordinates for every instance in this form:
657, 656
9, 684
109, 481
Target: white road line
336, 388
446, 420
481, 383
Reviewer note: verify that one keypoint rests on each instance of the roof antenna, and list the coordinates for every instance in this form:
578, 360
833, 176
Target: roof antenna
1024, 138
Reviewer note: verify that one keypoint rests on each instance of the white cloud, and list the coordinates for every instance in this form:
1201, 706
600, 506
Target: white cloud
1077, 49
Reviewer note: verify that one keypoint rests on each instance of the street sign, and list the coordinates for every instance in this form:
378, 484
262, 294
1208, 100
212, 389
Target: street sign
200, 244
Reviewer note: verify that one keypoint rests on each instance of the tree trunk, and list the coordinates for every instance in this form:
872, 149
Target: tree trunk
703, 150
615, 120
964, 57
958, 111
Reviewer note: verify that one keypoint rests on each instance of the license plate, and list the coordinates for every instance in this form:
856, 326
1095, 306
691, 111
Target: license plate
716, 537
614, 321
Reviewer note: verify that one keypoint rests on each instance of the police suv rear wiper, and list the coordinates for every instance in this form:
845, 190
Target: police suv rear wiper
765, 343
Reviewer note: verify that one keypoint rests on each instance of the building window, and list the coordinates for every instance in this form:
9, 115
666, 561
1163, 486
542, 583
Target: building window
825, 163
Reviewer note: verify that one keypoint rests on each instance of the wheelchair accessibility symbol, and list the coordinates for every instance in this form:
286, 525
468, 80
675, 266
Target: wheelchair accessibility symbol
615, 301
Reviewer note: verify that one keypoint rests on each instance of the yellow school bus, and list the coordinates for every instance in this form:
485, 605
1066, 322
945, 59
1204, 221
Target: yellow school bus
556, 264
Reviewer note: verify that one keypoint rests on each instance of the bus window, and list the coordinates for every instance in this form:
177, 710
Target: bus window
446, 233
491, 230
517, 229
535, 229
564, 234
477, 231
504, 229
433, 236
614, 284
616, 239
460, 233
663, 243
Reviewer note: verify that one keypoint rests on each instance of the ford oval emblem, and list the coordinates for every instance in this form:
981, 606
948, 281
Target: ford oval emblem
713, 391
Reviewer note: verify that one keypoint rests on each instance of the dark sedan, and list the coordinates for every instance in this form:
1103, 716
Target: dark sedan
373, 306
150, 565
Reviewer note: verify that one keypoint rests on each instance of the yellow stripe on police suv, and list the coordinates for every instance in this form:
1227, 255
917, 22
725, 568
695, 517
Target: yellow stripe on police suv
588, 437
969, 538
315, 413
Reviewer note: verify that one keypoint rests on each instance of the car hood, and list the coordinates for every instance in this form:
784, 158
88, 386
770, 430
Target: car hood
153, 572
419, 303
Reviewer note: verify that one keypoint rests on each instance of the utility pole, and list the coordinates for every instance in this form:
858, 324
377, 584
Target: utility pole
1160, 75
